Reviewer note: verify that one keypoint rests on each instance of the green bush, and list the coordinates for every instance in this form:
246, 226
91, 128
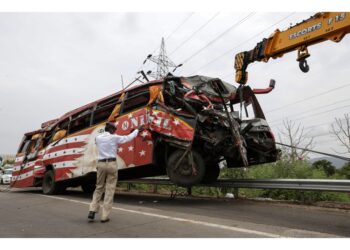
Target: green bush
345, 171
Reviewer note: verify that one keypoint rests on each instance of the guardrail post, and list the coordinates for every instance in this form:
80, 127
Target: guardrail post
189, 191
302, 196
235, 193
155, 188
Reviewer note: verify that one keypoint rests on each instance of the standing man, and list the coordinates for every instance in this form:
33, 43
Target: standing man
107, 169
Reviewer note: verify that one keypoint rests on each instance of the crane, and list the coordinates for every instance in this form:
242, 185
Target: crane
318, 28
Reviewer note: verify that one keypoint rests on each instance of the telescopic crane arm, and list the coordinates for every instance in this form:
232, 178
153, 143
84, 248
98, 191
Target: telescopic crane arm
318, 28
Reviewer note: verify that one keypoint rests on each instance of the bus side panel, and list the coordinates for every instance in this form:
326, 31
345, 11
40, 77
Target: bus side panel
23, 172
139, 151
87, 162
63, 156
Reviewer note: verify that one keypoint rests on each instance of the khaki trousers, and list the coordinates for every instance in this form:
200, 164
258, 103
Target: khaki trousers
107, 175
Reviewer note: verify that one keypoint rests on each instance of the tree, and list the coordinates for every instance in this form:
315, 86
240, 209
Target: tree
326, 166
295, 136
341, 130
345, 170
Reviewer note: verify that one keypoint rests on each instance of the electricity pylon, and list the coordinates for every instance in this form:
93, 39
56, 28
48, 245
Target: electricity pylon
164, 63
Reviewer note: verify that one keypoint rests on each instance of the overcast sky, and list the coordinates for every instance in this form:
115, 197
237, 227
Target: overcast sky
51, 63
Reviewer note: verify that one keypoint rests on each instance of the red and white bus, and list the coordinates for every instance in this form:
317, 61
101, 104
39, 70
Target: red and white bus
193, 123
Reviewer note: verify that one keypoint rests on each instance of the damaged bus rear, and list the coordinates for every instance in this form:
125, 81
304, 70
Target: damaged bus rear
192, 124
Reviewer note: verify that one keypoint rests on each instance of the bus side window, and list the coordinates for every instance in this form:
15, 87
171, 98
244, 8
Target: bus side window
104, 109
135, 101
24, 140
80, 121
27, 147
47, 137
173, 93
63, 125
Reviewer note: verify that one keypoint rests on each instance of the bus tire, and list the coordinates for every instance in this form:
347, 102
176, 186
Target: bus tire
50, 186
88, 187
183, 175
212, 172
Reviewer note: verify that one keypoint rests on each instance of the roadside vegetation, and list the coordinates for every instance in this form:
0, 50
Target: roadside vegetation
284, 169
299, 169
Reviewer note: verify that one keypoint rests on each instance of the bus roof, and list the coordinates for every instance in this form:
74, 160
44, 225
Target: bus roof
191, 80
92, 104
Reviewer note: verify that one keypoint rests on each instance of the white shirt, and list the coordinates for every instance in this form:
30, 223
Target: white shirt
107, 143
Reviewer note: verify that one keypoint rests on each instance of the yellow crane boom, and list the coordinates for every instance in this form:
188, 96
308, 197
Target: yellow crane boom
320, 27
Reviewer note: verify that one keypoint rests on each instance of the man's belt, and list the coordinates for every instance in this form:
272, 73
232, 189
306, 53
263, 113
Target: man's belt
107, 160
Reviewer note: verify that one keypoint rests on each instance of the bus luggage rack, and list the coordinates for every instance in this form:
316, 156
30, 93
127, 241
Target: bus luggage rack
293, 184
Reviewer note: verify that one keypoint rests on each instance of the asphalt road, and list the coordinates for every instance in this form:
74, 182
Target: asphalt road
28, 214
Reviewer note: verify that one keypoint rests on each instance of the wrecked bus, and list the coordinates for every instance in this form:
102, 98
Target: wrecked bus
192, 124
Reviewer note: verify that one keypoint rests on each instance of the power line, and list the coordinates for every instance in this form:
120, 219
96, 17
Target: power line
308, 98
224, 77
319, 124
219, 36
323, 142
312, 126
194, 33
334, 140
324, 123
180, 25
242, 43
320, 113
176, 29
319, 135
296, 115
314, 151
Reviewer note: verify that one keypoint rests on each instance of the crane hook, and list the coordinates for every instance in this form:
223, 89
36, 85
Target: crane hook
304, 67
303, 53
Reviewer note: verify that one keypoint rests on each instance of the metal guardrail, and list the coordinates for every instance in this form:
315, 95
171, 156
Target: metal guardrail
293, 184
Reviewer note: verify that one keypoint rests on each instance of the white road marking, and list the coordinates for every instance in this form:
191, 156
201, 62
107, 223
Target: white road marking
203, 223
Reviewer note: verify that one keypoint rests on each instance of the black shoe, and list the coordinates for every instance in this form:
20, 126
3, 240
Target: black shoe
91, 215
104, 221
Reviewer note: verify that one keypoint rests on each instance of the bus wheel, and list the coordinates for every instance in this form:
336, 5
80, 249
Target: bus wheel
88, 187
50, 186
184, 173
212, 172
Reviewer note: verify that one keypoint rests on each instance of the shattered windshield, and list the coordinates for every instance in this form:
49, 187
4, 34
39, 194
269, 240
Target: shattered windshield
245, 112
